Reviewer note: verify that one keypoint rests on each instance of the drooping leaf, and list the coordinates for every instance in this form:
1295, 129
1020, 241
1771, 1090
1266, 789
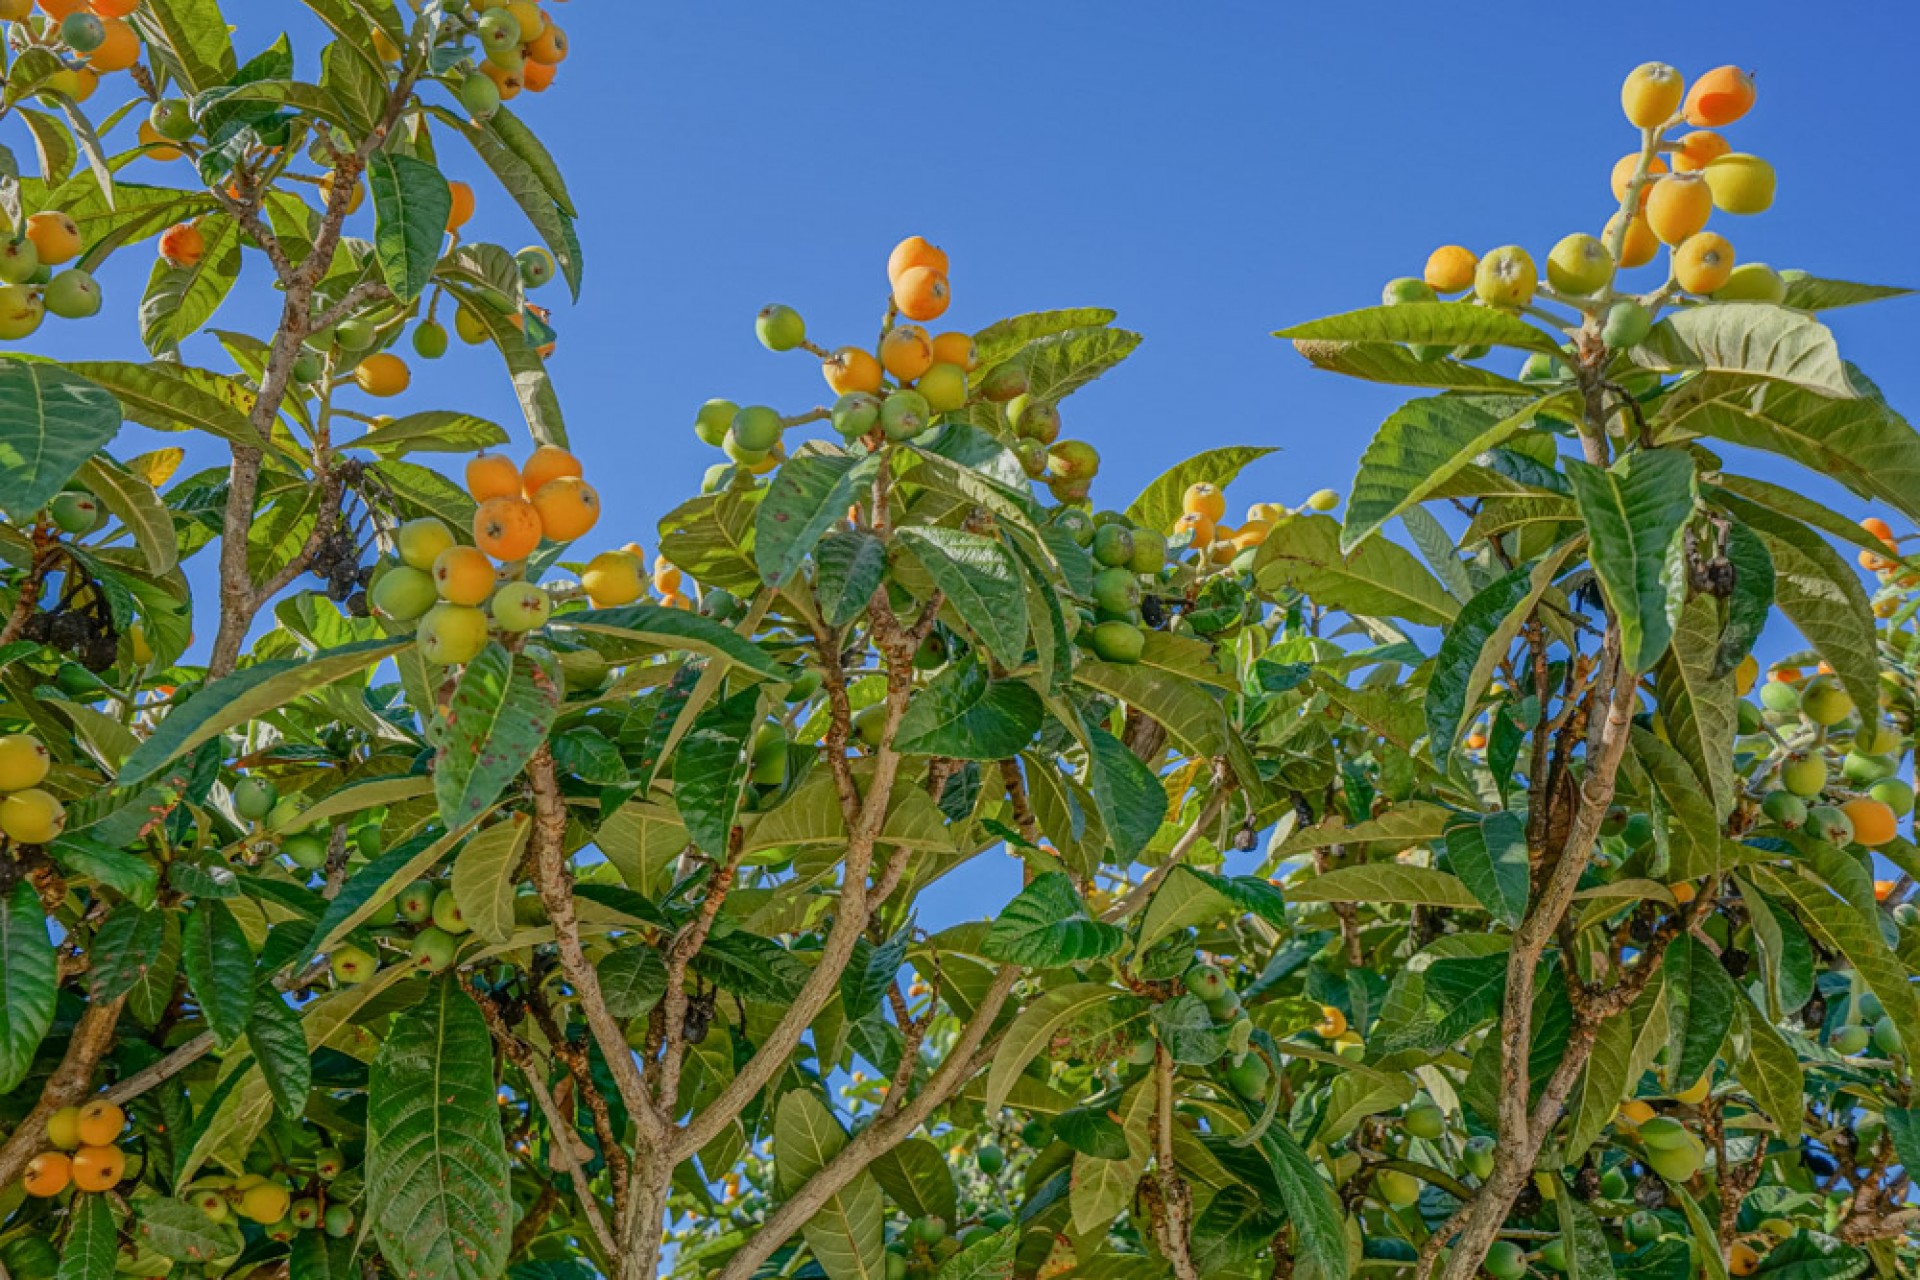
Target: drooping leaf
180, 1231
1128, 794
981, 582
499, 716
851, 566
1635, 512
966, 715
1701, 1003
51, 422
92, 1246
916, 1178
675, 629
1053, 1014
193, 36
1102, 1189
1770, 1071
280, 1047
632, 980
1047, 926
437, 1202
1380, 578
124, 950
29, 981
1432, 324
411, 201
711, 766
219, 968
847, 1234
810, 492
484, 876
1385, 882
1490, 857
1755, 339
1698, 707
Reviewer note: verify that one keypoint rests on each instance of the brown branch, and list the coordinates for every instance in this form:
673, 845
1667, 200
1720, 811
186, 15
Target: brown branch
68, 1086
1175, 1224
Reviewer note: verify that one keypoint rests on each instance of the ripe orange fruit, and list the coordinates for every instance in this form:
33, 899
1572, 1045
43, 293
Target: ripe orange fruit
55, 236
548, 462
1742, 1259
1882, 530
1651, 94
913, 252
1703, 262
1678, 207
58, 9
98, 1168
666, 576
182, 245
567, 507
1205, 499
1332, 1024
118, 50
851, 369
549, 48
1683, 892
537, 77
1476, 740
158, 148
492, 475
1873, 563
955, 349
1624, 169
1450, 269
1719, 97
100, 1123
1640, 244
506, 528
382, 374
921, 293
1883, 889
463, 576
1698, 150
507, 82
462, 205
1636, 1113
47, 1174
906, 352
114, 8
1197, 525
1874, 823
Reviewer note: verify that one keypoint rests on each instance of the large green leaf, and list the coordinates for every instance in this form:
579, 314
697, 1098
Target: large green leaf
1751, 604
498, 717
1430, 324
711, 766
1061, 363
280, 1047
675, 629
436, 1198
1588, 1252
1475, 644
1821, 595
1308, 1201
485, 873
134, 503
1422, 445
848, 1233
1635, 512
1001, 339
1396, 365
1770, 1071
1695, 848
411, 202
1701, 1003
160, 397
316, 1255
1189, 896
1127, 792
1861, 443
989, 1257
1812, 293
1047, 926
1433, 1008
219, 968
193, 36
1057, 1013
1385, 882
532, 386
92, 1245
29, 981
1380, 579
1699, 709
1755, 339
247, 695
529, 190
810, 492
967, 716
179, 300
1159, 504
850, 567
1624, 1046
51, 421
915, 1177
632, 980
124, 950
981, 582
1490, 857
181, 1231
1836, 925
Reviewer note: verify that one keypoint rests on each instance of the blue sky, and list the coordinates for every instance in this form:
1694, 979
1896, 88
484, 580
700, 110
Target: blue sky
1212, 171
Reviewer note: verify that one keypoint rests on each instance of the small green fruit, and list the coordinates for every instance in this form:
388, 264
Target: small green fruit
1117, 641
430, 339
1894, 793
305, 850
1113, 546
770, 757
172, 119
1396, 1188
1785, 809
254, 798
480, 96
403, 593
452, 634
1752, 282
1824, 822
1034, 419
421, 541
990, 1159
1579, 265
447, 915
82, 32
1477, 1155
1251, 1078
1778, 695
1851, 1040
536, 265
1424, 1120
1117, 591
711, 423
1824, 702
433, 950
1627, 324
74, 512
73, 295
351, 966
1149, 551
1506, 1261
415, 903
1804, 775
1207, 982
19, 259
520, 606
904, 415
1886, 1038
779, 328
755, 429
855, 414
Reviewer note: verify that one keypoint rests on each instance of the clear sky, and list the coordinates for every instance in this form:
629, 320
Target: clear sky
1213, 171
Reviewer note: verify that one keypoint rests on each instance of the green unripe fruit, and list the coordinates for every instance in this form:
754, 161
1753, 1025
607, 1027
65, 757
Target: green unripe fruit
1862, 770
285, 816
869, 723
447, 915
305, 850
499, 29
779, 328
1240, 1037
755, 429
1116, 591
172, 119
415, 904
904, 415
1553, 1254
1207, 982
1627, 324
1036, 1133
1824, 822
1752, 282
308, 367
1034, 419
1663, 1133
1424, 1120
1506, 1261
1614, 1184
770, 757
1851, 1040
430, 339
896, 1267
1407, 289
929, 1230
1678, 1164
1477, 1155
536, 265
1117, 641
1879, 739
1894, 793
351, 966
932, 653
855, 414
1906, 915
1749, 720
1638, 832
1397, 1188
1251, 1078
1615, 823
1785, 809
1778, 695
1113, 546
82, 32
1867, 1007
990, 1159
1886, 1038
805, 685
403, 593
1076, 522
520, 606
1579, 264
254, 798
713, 420
480, 96
1004, 383
1824, 702
1643, 1227
339, 1221
19, 260
433, 950
74, 512
1149, 551
1804, 775
73, 295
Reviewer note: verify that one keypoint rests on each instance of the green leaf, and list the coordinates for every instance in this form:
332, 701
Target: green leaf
981, 582
1793, 505
315, 1255
1188, 1031
871, 971
1385, 882
915, 1177
431, 431
809, 493
1190, 897
752, 967
485, 873
1048, 926
1475, 643
676, 629
1128, 794
158, 396
180, 300
30, 73
516, 137
1423, 444
411, 202
219, 967
51, 421
135, 504
965, 715
192, 34
1192, 716
1001, 339
80, 854
1055, 1014
1635, 513
123, 951
436, 1198
1821, 595
633, 980
1754, 339
92, 1247
987, 1258
849, 567
1398, 828
1770, 1071
29, 982
710, 768
1102, 1189
1698, 707
1428, 324
1589, 1255
1812, 293
499, 716
1694, 832
1160, 503
1355, 1096
1435, 1007
1701, 1003
1861, 443
1309, 1203
152, 993
524, 183
176, 1230
847, 1235
280, 1047
1381, 362
247, 695
1490, 857
1751, 603
375, 885
532, 385
1624, 1045
1061, 363
1380, 579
